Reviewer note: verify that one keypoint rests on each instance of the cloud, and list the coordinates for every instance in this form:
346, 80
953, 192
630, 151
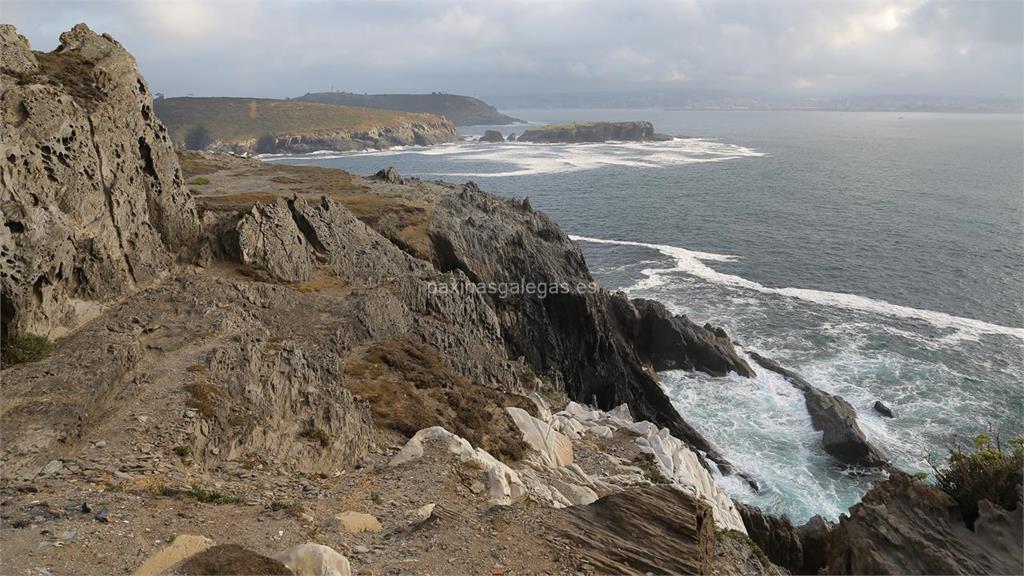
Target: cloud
287, 47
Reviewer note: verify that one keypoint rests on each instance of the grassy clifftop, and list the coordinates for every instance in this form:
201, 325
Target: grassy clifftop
462, 110
238, 119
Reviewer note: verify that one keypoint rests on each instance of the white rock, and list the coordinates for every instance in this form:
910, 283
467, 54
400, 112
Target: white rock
503, 484
314, 560
356, 522
555, 448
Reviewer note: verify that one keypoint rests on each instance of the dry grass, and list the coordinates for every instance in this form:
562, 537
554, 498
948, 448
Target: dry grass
409, 388
193, 164
320, 282
402, 220
242, 201
204, 396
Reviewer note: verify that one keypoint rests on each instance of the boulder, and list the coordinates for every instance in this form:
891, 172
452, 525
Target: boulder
906, 526
882, 409
268, 240
389, 175
184, 546
314, 560
492, 136
229, 559
356, 522
834, 417
92, 197
554, 448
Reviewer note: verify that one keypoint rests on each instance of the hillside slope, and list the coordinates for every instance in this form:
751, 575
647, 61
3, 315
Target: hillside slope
237, 124
462, 110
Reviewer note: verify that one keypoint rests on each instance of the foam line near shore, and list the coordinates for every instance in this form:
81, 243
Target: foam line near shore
693, 263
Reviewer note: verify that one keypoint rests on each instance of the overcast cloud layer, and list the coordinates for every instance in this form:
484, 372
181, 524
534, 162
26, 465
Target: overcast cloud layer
286, 48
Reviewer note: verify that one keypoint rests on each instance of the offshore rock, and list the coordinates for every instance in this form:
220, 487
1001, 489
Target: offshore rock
593, 132
92, 198
834, 417
492, 136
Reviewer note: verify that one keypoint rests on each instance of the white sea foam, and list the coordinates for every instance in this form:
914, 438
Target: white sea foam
527, 158
693, 263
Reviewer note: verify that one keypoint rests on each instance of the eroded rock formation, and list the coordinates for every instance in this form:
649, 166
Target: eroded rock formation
93, 201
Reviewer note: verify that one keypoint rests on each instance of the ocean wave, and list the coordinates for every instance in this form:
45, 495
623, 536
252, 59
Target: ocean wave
529, 158
693, 263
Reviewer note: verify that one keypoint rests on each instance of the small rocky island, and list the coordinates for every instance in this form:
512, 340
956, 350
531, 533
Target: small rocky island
581, 132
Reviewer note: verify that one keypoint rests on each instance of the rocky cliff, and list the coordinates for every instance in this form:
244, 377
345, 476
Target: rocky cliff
260, 125
94, 204
581, 132
462, 110
327, 373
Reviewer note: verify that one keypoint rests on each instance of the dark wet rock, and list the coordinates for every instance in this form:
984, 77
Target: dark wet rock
511, 137
775, 535
389, 175
882, 409
592, 132
906, 526
670, 342
229, 559
571, 335
656, 529
814, 536
492, 136
834, 417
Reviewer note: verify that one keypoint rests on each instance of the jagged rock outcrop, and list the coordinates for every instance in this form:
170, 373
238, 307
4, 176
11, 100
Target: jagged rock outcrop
905, 526
776, 536
593, 132
562, 324
492, 136
93, 201
834, 417
651, 530
670, 342
389, 175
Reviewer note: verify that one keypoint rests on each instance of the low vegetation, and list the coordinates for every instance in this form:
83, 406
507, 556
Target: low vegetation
985, 471
22, 348
201, 495
409, 388
199, 181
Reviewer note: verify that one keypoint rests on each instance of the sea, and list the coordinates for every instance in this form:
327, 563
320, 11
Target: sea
879, 254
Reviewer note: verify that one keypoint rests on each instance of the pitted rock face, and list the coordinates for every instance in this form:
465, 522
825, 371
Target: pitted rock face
93, 201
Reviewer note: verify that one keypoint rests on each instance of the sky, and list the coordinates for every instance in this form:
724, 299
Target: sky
286, 48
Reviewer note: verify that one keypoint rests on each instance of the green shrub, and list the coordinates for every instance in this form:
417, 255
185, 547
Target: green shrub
985, 472
199, 181
201, 495
25, 348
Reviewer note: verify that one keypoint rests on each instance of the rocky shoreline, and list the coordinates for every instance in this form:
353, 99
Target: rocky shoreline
256, 371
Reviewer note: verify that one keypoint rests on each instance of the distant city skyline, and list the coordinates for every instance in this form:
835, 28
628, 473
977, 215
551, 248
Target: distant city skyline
504, 50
